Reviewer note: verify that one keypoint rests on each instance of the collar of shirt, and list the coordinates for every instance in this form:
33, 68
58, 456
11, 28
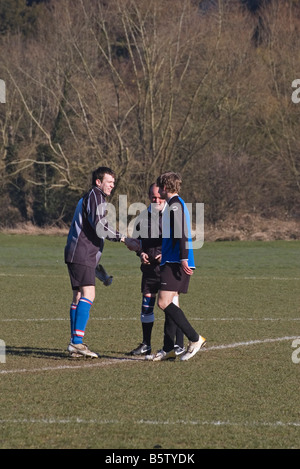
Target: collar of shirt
100, 190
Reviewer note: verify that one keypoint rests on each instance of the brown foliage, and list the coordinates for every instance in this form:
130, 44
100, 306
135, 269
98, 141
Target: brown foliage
147, 86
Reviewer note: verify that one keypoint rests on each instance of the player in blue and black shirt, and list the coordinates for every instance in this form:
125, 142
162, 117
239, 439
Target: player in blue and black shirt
83, 250
177, 266
148, 228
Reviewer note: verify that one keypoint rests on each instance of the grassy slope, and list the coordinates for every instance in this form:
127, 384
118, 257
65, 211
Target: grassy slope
233, 398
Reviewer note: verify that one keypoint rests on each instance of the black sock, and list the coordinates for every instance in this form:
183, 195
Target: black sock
170, 328
181, 321
147, 330
179, 339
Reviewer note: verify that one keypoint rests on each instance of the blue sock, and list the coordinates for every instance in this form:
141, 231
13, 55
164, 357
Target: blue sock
81, 319
72, 318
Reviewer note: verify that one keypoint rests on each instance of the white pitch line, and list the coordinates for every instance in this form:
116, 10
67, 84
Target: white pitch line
247, 343
114, 361
99, 364
268, 278
246, 319
109, 318
78, 420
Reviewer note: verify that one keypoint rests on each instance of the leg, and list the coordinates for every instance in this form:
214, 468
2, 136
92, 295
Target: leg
196, 341
179, 340
87, 296
147, 317
73, 308
170, 327
147, 320
83, 297
172, 275
172, 332
165, 302
165, 298
76, 296
88, 292
149, 287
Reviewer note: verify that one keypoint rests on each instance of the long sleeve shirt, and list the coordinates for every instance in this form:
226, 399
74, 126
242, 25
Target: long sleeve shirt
176, 233
88, 230
148, 228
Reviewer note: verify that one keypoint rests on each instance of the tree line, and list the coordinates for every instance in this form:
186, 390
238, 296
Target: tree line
143, 86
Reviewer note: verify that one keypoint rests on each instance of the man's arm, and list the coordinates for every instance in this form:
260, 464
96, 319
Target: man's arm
97, 209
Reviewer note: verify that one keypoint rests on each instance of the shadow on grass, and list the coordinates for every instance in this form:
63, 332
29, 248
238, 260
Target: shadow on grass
37, 352
55, 354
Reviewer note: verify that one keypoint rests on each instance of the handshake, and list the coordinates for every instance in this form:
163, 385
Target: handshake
133, 244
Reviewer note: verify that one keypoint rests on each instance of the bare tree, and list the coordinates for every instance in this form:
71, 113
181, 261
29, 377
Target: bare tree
126, 84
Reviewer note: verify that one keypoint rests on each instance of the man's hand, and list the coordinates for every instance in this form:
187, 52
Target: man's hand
144, 258
186, 268
133, 244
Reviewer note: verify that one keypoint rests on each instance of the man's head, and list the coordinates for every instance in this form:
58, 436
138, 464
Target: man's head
169, 183
155, 198
104, 179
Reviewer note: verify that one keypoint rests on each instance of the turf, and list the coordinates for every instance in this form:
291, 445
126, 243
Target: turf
236, 394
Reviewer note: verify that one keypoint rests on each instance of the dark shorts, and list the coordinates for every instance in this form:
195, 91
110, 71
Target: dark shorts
150, 279
81, 275
173, 278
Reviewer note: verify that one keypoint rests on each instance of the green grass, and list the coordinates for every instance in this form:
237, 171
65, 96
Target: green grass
244, 396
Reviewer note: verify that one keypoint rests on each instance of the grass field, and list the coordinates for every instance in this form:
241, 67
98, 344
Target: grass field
241, 392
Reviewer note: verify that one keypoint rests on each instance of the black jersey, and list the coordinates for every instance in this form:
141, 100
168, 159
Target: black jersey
148, 228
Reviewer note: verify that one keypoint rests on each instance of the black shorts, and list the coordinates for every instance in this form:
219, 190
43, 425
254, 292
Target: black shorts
81, 275
173, 278
150, 279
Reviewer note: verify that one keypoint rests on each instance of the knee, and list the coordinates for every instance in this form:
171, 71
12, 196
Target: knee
161, 303
88, 292
147, 310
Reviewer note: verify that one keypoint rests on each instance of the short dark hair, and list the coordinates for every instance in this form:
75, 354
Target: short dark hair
99, 174
171, 181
